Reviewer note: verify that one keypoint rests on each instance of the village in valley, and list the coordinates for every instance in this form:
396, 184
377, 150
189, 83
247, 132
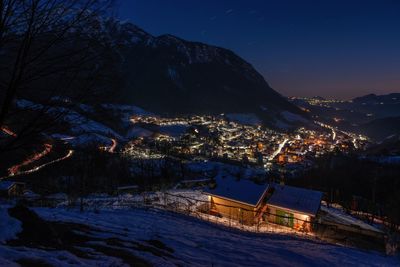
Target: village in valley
231, 173
229, 138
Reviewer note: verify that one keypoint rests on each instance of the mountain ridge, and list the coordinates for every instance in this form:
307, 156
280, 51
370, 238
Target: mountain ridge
169, 75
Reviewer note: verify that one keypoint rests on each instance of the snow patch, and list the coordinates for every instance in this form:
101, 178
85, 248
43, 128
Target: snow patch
9, 226
244, 118
136, 132
172, 73
198, 243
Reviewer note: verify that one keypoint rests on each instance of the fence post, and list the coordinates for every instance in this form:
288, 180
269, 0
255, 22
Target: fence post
230, 216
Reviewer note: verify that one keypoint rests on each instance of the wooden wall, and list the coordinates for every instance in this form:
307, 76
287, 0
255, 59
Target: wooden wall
288, 218
234, 210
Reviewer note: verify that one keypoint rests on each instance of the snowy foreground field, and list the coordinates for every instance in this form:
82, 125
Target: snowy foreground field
159, 238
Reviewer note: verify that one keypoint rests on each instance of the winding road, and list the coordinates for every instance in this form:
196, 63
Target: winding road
8, 131
16, 169
35, 157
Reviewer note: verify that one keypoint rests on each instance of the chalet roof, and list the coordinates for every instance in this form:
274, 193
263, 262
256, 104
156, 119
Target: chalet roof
243, 190
297, 199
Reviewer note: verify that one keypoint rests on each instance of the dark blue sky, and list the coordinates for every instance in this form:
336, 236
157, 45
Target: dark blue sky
337, 49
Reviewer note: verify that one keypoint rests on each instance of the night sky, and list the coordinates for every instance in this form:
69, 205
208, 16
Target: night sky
337, 49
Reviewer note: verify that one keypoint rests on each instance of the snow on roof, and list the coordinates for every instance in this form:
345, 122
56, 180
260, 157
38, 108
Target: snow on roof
297, 199
339, 216
242, 190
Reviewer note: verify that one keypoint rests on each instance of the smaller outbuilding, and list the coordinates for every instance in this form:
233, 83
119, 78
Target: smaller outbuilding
293, 206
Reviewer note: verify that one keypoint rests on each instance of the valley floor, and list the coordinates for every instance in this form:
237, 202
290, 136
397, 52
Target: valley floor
146, 237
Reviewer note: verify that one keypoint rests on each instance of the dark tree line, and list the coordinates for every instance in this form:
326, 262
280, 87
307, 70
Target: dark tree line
93, 171
357, 184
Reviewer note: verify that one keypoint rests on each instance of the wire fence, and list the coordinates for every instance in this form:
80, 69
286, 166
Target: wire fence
233, 216
198, 206
261, 220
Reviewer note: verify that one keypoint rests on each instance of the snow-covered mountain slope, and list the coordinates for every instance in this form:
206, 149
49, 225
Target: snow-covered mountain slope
169, 75
184, 241
85, 125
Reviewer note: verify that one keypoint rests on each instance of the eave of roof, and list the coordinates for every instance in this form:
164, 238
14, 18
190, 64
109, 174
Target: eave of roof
292, 210
238, 201
229, 199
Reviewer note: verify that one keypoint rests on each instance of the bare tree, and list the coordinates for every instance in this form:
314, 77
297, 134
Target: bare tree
48, 48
